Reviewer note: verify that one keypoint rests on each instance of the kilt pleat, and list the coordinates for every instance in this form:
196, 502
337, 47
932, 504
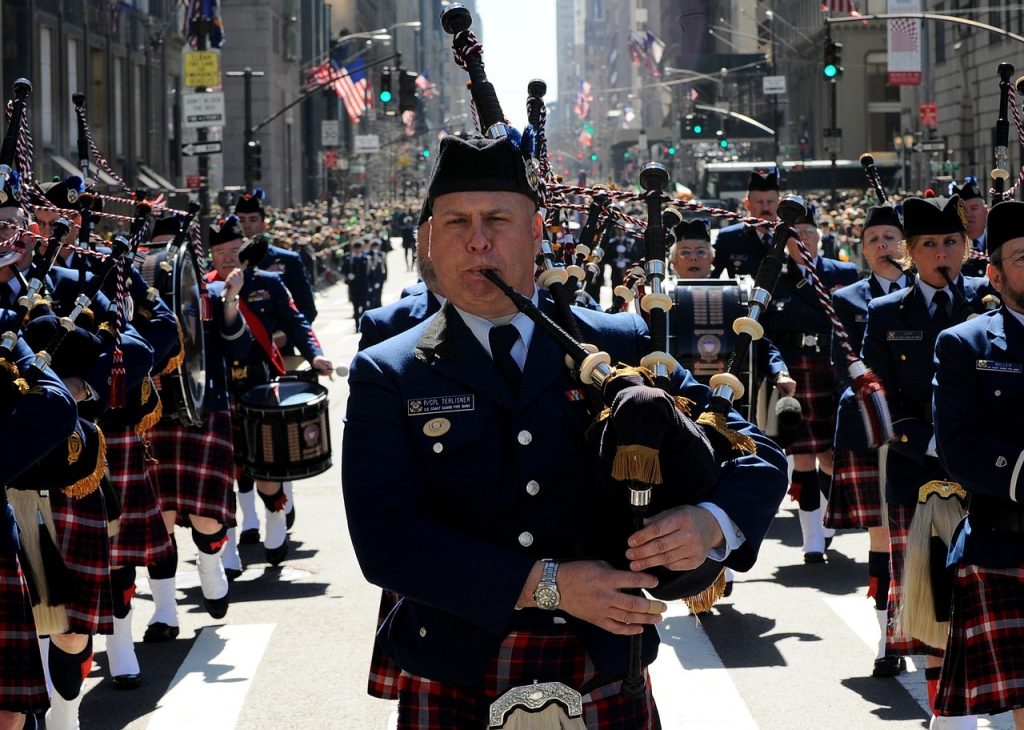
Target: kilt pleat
194, 473
83, 539
384, 672
815, 389
856, 497
900, 517
523, 657
141, 538
983, 668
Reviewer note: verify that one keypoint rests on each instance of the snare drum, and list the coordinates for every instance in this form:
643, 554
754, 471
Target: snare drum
286, 432
701, 337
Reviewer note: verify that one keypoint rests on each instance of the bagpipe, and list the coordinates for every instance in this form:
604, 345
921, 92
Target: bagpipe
650, 450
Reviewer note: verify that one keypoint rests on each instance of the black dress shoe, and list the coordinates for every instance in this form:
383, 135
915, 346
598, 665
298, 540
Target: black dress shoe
249, 537
728, 589
276, 556
814, 557
828, 542
157, 632
233, 573
127, 681
889, 666
289, 518
216, 607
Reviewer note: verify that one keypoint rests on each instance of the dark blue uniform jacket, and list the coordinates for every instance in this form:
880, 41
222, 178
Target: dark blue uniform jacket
377, 325
288, 264
739, 249
439, 515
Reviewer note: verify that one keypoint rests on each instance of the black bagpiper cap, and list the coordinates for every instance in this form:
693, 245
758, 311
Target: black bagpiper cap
968, 191
225, 230
1005, 222
167, 226
66, 193
883, 215
760, 180
250, 202
934, 216
695, 230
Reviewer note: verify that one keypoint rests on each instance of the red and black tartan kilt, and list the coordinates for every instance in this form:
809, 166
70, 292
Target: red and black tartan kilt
384, 673
856, 497
899, 529
22, 684
424, 704
141, 538
194, 473
815, 389
983, 669
83, 538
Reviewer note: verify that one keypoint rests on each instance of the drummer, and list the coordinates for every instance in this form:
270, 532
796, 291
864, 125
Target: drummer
267, 307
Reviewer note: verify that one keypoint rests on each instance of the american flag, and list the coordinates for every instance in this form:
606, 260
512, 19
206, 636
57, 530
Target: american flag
583, 99
840, 7
350, 83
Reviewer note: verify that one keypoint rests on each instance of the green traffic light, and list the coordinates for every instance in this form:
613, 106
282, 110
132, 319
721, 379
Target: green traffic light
426, 153
671, 151
593, 157
723, 143
625, 155
385, 97
698, 129
830, 70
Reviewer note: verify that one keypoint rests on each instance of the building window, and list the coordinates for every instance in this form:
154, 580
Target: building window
72, 74
139, 118
46, 87
995, 18
118, 107
883, 117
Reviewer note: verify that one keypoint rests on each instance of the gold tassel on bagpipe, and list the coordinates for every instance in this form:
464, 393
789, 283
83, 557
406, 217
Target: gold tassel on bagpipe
20, 384
33, 513
91, 482
738, 440
178, 359
148, 391
638, 463
703, 601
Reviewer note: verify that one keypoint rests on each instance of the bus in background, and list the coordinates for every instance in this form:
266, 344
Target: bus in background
728, 180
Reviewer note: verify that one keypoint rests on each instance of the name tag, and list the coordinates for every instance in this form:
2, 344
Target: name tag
904, 335
441, 404
998, 367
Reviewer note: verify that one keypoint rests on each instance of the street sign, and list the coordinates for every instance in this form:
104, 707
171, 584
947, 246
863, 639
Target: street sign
203, 110
202, 68
367, 144
196, 149
773, 85
831, 132
930, 147
194, 182
929, 114
330, 133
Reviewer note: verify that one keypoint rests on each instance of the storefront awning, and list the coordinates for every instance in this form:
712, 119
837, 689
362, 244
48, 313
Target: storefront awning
70, 168
162, 182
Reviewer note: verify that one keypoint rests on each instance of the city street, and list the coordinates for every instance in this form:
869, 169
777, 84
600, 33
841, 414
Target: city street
792, 647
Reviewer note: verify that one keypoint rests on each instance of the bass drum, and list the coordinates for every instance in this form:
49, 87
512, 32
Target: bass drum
701, 337
183, 387
286, 430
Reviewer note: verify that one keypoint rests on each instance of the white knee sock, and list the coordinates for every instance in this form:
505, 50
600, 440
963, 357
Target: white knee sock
288, 487
883, 623
165, 601
231, 559
812, 530
966, 722
247, 503
121, 649
826, 531
212, 578
277, 529
63, 714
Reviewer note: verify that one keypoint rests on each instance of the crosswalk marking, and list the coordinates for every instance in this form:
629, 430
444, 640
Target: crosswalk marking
208, 691
692, 688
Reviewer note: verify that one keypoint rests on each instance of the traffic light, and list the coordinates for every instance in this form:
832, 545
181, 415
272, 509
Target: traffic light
593, 157
252, 160
407, 91
832, 66
694, 126
672, 151
385, 94
425, 152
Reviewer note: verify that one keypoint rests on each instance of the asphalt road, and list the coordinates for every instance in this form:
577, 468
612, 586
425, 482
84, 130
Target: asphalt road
792, 648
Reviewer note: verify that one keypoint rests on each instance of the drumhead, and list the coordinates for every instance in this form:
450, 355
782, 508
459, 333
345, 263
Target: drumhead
284, 394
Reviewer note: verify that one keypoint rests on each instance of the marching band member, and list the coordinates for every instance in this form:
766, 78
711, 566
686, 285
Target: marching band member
802, 331
977, 213
740, 247
194, 469
453, 503
898, 346
977, 399
856, 496
267, 307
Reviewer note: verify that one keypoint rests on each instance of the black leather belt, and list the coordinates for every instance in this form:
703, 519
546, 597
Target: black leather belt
997, 516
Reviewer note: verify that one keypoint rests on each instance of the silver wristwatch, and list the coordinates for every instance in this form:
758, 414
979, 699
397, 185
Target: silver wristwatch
546, 594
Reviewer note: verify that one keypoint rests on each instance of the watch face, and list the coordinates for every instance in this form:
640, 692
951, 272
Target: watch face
547, 597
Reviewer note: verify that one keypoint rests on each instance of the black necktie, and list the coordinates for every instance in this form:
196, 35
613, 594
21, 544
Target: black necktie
894, 286
502, 339
940, 316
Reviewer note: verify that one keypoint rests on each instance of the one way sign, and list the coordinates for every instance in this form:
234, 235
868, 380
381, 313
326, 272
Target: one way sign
196, 149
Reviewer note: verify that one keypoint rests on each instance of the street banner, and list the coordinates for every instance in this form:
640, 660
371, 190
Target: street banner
904, 45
